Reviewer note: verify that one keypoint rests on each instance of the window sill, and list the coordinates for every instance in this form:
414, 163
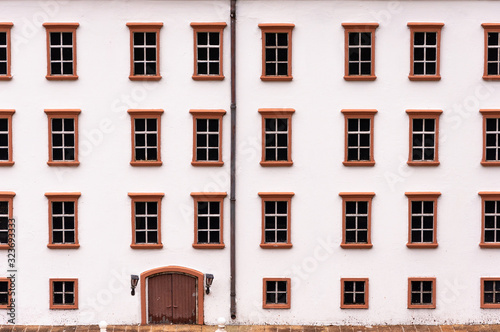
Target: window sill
422, 245
358, 163
207, 163
144, 78
64, 246
62, 77
146, 163
276, 163
6, 163
276, 306
356, 245
208, 77
491, 77
424, 77
5, 78
489, 245
354, 306
276, 78
63, 163
209, 246
5, 247
63, 307
360, 78
423, 163
146, 246
490, 163
490, 306
275, 245
422, 306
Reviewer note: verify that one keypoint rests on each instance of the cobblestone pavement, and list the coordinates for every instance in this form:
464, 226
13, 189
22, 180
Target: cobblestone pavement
252, 328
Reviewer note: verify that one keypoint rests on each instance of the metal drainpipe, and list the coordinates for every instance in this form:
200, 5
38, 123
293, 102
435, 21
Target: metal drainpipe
233, 159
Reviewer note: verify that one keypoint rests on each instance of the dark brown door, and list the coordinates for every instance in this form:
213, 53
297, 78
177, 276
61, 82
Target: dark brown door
172, 299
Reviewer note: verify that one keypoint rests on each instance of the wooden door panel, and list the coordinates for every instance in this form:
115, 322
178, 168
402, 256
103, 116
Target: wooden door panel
184, 299
160, 308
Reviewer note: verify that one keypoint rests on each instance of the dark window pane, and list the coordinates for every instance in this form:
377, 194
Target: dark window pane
138, 38
151, 38
67, 38
282, 39
492, 38
55, 38
270, 39
353, 69
418, 38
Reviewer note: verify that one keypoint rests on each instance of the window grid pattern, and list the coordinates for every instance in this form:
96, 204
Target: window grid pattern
63, 222
360, 53
3, 53
491, 291
356, 222
276, 292
4, 222
208, 222
61, 53
146, 139
276, 53
208, 53
207, 139
492, 139
493, 56
358, 139
354, 292
4, 293
422, 222
276, 136
276, 222
424, 53
145, 50
492, 221
63, 292
423, 139
4, 139
63, 139
421, 292
146, 222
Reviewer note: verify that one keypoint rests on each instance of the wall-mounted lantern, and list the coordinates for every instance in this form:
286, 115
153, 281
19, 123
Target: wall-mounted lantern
209, 279
134, 280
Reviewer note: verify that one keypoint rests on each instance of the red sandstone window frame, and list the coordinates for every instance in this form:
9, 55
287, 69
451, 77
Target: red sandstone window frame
424, 114
420, 197
9, 296
489, 27
7, 114
209, 197
422, 306
276, 28
356, 197
146, 114
145, 27
63, 114
208, 27
358, 114
63, 197
6, 27
7, 196
54, 306
359, 27
61, 27
276, 113
146, 197
366, 294
425, 27
488, 305
207, 114
489, 114
276, 197
286, 305
487, 196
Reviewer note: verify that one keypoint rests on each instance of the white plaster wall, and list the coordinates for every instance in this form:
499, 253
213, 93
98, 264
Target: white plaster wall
318, 92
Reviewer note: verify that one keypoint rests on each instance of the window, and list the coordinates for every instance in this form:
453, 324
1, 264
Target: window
422, 219
276, 136
6, 208
356, 220
145, 51
276, 215
424, 137
146, 220
359, 51
276, 51
63, 137
490, 293
424, 53
207, 137
208, 51
490, 219
354, 293
208, 220
63, 220
6, 137
491, 137
61, 51
5, 294
276, 293
491, 51
63, 293
5, 73
146, 137
421, 293
359, 137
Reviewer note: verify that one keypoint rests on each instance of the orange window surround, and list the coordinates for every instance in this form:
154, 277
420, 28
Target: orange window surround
490, 219
491, 144
358, 124
61, 51
354, 293
6, 118
424, 137
359, 51
6, 282
144, 64
425, 51
5, 59
63, 220
276, 124
273, 292
356, 220
62, 290
146, 151
205, 153
7, 201
422, 219
418, 293
208, 220
65, 153
491, 51
276, 220
490, 293
208, 51
143, 222
276, 51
